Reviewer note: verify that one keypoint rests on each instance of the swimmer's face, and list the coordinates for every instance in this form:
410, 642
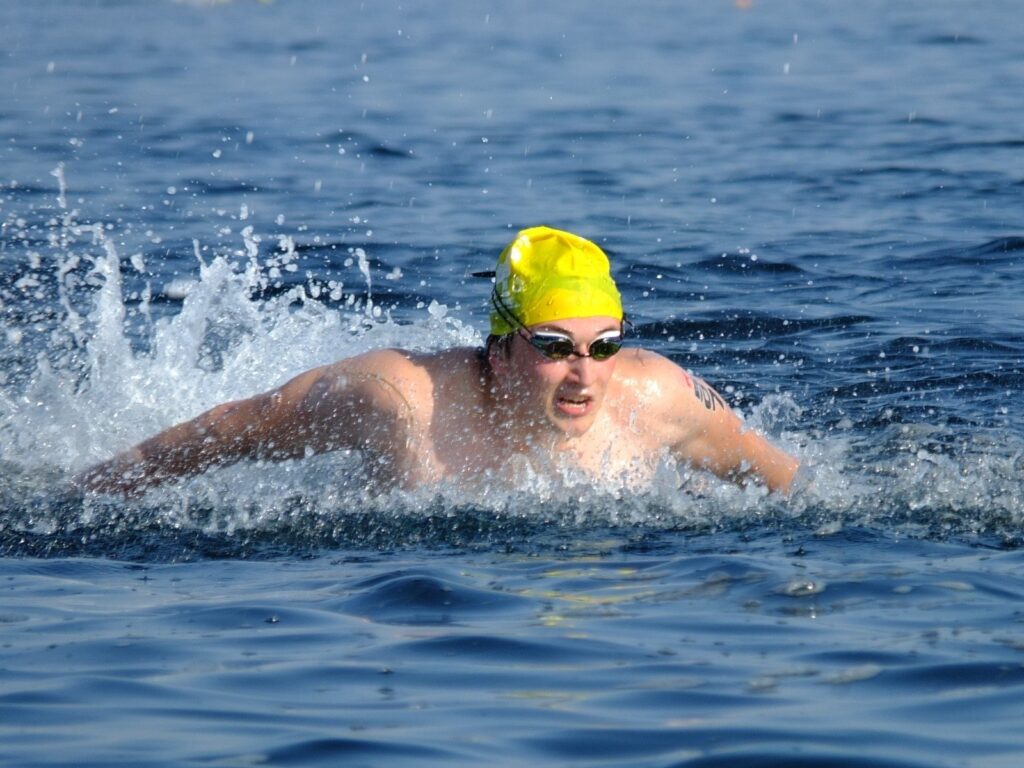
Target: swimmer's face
565, 394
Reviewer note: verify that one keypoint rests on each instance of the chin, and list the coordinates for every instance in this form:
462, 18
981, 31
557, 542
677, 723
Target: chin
571, 426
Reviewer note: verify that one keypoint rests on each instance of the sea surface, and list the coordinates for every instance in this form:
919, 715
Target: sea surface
818, 207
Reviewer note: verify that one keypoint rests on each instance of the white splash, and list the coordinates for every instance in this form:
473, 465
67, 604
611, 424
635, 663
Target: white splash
98, 384
112, 367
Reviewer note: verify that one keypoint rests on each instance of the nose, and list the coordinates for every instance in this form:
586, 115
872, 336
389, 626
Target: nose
581, 370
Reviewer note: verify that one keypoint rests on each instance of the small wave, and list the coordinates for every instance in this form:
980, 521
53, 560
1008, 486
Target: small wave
969, 254
422, 598
957, 39
809, 757
331, 751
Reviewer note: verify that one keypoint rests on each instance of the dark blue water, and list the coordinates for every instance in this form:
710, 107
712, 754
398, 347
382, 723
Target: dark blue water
818, 209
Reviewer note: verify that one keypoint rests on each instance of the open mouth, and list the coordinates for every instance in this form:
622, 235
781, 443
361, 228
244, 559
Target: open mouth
574, 405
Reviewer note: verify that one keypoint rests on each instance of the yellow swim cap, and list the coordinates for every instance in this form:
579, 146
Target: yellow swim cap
546, 274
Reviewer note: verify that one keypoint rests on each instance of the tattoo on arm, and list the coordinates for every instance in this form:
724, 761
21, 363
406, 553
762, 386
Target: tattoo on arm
707, 396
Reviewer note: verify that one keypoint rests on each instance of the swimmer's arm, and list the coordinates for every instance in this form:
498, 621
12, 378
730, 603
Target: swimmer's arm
719, 441
330, 408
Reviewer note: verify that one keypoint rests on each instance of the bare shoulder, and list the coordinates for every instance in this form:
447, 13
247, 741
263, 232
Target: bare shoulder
389, 379
397, 366
690, 417
395, 377
672, 399
653, 379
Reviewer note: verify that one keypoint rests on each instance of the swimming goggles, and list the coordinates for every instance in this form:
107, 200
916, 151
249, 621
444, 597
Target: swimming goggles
558, 346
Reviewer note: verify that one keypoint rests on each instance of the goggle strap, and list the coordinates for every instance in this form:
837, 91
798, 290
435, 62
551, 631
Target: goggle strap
504, 311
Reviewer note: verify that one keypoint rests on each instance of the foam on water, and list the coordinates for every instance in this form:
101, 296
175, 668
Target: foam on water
105, 365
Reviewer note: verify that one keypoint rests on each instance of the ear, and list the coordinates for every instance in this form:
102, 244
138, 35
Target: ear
499, 356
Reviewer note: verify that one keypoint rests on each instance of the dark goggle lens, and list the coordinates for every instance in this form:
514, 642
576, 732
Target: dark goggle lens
552, 348
602, 349
561, 348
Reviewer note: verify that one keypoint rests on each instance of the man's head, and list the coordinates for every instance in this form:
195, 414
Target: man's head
556, 323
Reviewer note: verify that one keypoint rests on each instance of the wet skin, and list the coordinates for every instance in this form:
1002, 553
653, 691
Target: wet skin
451, 416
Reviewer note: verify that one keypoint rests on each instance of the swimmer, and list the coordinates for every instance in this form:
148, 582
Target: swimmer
554, 385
